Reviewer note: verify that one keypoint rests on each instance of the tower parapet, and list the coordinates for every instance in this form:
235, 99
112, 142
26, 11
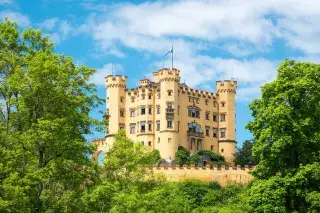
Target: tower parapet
226, 86
166, 75
116, 81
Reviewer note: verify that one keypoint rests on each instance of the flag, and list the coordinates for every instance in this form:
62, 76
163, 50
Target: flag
170, 51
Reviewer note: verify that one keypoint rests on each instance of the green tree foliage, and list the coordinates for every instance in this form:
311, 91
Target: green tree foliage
244, 154
286, 128
123, 176
214, 157
45, 102
125, 161
182, 156
154, 157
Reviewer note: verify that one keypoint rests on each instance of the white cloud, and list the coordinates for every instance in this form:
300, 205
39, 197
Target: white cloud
22, 20
243, 28
49, 24
59, 30
5, 2
99, 77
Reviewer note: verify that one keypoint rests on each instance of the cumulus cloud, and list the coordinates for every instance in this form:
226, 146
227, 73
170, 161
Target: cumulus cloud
59, 30
101, 73
21, 19
239, 28
5, 2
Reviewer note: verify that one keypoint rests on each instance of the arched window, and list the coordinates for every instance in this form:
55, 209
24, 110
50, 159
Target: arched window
170, 92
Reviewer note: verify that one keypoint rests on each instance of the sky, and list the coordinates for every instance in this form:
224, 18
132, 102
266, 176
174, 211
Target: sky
213, 39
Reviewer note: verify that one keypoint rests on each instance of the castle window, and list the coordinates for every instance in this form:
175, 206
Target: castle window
142, 126
158, 125
143, 110
169, 140
215, 117
169, 105
159, 95
121, 126
149, 143
121, 99
222, 150
194, 127
206, 101
170, 92
223, 104
215, 132
169, 123
158, 109
158, 139
207, 131
132, 99
223, 117
207, 115
193, 112
149, 125
150, 96
132, 128
178, 109
211, 147
132, 112
142, 143
143, 96
150, 110
223, 133
178, 126
215, 104
121, 112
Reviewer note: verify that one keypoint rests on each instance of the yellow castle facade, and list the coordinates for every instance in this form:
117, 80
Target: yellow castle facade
163, 114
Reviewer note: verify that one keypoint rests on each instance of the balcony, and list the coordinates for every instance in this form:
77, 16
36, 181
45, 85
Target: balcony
196, 134
170, 111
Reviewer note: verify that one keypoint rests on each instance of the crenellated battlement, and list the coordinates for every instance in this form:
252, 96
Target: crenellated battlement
222, 174
116, 81
207, 167
196, 92
226, 86
144, 82
99, 141
166, 75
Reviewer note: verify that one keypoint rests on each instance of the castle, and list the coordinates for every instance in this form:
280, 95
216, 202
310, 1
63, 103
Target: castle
163, 114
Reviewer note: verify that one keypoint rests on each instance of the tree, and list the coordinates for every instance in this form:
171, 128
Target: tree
182, 156
124, 162
214, 157
286, 129
244, 154
123, 177
45, 101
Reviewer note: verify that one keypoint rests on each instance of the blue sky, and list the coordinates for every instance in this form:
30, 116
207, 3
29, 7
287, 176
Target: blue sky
212, 39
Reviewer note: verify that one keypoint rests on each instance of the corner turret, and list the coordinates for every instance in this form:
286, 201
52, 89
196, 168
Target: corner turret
116, 105
226, 91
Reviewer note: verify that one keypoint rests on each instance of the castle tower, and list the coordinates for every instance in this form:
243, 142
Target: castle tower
227, 131
115, 104
166, 140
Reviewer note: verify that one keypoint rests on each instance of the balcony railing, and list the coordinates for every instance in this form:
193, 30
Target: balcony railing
196, 134
169, 110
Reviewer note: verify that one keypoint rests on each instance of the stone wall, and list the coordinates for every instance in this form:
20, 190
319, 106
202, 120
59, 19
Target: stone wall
223, 175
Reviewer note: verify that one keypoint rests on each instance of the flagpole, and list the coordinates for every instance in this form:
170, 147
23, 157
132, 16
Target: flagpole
163, 62
172, 58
